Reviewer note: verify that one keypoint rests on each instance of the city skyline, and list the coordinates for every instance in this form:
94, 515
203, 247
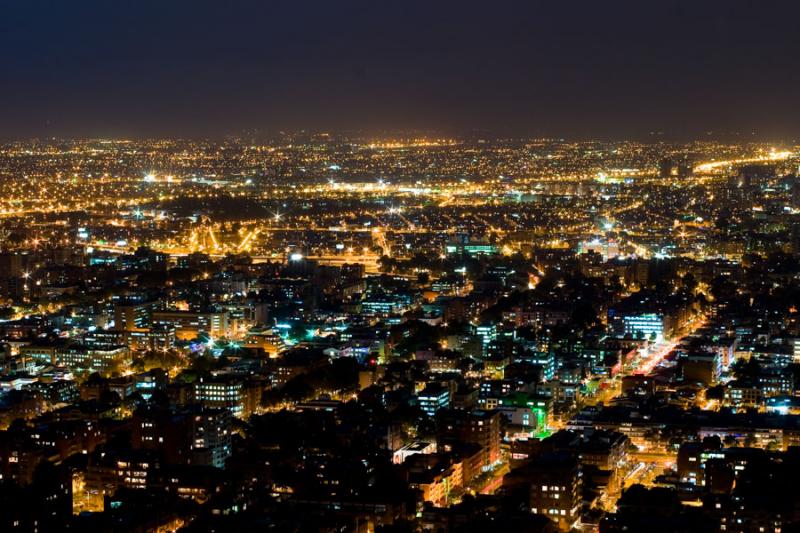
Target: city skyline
399, 267
321, 331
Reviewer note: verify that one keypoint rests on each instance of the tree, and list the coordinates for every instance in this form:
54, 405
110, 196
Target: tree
159, 359
689, 282
715, 393
202, 365
414, 335
584, 315
298, 331
746, 368
730, 441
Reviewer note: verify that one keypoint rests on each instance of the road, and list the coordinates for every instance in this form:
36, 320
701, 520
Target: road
648, 463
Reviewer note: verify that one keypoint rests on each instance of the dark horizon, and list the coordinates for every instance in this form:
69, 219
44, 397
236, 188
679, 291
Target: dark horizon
465, 137
580, 71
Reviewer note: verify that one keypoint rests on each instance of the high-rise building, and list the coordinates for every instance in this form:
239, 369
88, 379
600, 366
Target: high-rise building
188, 324
555, 491
133, 316
211, 437
481, 427
434, 397
223, 392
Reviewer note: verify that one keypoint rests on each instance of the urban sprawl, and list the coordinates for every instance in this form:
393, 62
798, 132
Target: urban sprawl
333, 333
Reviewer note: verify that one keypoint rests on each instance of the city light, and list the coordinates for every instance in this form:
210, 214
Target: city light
417, 267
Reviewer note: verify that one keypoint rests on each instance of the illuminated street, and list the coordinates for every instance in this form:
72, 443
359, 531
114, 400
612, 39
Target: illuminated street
399, 267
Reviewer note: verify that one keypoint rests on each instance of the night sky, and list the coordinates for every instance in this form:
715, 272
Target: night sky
599, 69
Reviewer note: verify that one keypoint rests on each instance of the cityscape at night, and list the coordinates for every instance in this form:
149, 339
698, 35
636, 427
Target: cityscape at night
361, 290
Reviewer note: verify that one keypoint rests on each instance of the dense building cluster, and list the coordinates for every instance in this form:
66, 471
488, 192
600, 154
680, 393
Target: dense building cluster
331, 334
